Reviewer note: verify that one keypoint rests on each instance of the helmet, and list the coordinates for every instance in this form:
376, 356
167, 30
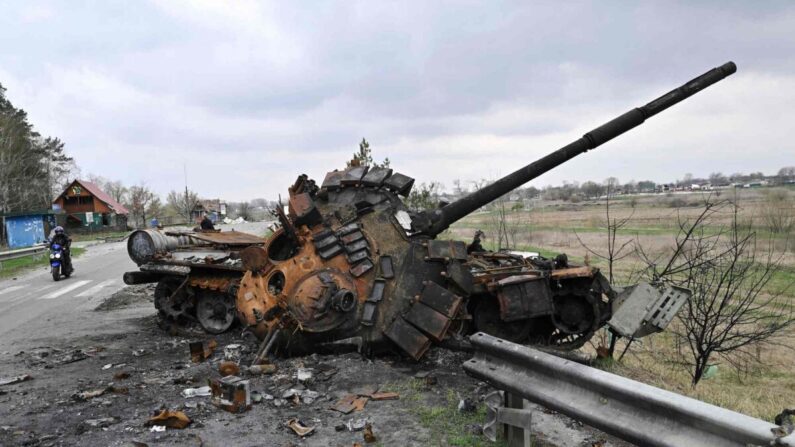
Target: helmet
58, 230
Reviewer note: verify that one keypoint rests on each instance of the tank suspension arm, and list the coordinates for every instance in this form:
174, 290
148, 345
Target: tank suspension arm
433, 222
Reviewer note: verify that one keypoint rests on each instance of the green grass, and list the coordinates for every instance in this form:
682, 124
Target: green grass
444, 422
14, 267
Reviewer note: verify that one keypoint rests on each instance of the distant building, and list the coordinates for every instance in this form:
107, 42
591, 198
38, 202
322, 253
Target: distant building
85, 205
215, 209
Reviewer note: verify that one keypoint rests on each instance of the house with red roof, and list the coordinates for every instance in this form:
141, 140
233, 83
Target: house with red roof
84, 204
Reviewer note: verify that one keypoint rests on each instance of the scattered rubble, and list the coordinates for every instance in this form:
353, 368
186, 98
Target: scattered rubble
231, 393
202, 350
196, 392
350, 403
369, 437
170, 419
256, 370
228, 368
300, 428
17, 379
234, 352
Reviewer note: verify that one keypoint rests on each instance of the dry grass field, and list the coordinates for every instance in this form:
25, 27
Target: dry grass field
761, 387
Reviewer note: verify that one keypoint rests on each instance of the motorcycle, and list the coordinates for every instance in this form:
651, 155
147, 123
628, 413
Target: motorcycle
59, 263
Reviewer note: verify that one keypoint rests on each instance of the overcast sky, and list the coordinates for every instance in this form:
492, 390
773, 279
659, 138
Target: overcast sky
247, 95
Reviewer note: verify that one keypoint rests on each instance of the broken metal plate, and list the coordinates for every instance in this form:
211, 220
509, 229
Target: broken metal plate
361, 268
387, 272
399, 183
356, 246
522, 297
354, 175
358, 256
377, 292
303, 210
440, 299
350, 228
350, 403
460, 276
444, 250
376, 177
352, 237
408, 338
325, 242
428, 320
330, 252
368, 313
404, 220
333, 180
644, 308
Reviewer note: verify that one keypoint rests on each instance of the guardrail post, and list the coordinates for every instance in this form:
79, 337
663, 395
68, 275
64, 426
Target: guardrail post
509, 413
518, 435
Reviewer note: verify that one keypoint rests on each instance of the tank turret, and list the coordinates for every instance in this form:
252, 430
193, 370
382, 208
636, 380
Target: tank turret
351, 263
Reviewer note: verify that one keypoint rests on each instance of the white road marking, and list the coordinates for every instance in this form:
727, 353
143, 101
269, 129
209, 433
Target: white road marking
27, 291
97, 288
65, 290
10, 289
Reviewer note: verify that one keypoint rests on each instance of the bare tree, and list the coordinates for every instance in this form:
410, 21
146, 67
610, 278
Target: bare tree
183, 204
616, 249
731, 309
243, 209
142, 202
779, 211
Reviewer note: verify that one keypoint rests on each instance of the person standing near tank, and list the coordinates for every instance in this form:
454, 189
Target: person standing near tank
207, 224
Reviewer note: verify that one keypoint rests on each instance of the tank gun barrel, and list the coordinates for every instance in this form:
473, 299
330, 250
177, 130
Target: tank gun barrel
433, 222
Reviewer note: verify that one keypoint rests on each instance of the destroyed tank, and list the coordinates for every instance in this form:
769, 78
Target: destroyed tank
197, 273
351, 264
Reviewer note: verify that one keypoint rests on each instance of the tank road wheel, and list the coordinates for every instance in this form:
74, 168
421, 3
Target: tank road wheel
487, 319
216, 312
171, 306
576, 319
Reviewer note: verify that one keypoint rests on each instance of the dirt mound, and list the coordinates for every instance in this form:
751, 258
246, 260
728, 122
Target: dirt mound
129, 296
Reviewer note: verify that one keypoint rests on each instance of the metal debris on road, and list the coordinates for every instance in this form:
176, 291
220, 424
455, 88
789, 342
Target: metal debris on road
234, 352
231, 393
17, 379
369, 437
256, 370
196, 392
228, 368
303, 374
385, 396
170, 419
300, 428
202, 350
356, 424
350, 403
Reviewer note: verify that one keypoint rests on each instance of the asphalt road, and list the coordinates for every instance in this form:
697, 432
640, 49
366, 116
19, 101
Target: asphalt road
33, 302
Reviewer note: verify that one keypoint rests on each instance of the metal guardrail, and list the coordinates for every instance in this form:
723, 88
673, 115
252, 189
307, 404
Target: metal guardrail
627, 409
22, 252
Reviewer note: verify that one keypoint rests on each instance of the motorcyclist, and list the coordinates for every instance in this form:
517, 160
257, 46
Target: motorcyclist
59, 236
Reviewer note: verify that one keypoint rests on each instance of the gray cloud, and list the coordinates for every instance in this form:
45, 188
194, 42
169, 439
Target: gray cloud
249, 94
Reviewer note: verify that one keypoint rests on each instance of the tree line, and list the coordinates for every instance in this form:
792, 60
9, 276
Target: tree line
32, 167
